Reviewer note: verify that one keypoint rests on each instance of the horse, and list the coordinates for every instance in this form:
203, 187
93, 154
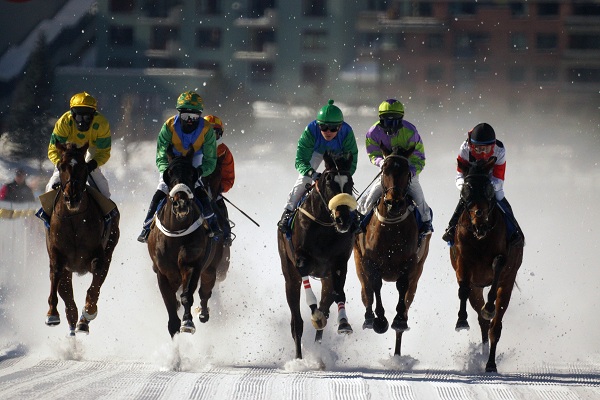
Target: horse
182, 254
319, 246
388, 250
482, 256
78, 240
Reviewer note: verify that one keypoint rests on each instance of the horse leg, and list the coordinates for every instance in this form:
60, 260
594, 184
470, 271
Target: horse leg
476, 301
367, 299
65, 290
464, 289
90, 311
339, 296
53, 316
488, 311
207, 283
400, 320
292, 294
380, 324
168, 292
188, 284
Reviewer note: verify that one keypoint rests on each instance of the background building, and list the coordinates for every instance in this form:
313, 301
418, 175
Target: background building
137, 55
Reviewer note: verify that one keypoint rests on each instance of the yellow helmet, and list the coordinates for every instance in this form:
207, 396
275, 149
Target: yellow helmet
215, 121
83, 99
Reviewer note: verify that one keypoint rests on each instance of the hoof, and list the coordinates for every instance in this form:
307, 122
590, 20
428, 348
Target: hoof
203, 318
187, 327
52, 320
82, 327
488, 315
381, 325
318, 320
400, 325
344, 327
462, 324
71, 333
491, 367
368, 324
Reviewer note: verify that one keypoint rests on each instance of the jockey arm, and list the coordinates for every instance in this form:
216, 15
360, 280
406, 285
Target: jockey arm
227, 168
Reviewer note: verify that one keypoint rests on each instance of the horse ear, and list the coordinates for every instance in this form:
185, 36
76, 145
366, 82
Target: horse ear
60, 146
85, 147
386, 152
328, 160
463, 166
190, 153
490, 163
170, 154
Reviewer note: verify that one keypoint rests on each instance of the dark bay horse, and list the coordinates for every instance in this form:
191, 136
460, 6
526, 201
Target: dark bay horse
320, 246
78, 241
182, 253
389, 250
481, 257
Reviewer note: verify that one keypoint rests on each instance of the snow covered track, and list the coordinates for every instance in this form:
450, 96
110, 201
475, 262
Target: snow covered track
24, 377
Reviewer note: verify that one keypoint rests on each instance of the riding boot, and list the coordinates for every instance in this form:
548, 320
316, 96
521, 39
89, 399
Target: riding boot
41, 214
517, 238
222, 211
159, 195
214, 230
448, 236
284, 222
356, 226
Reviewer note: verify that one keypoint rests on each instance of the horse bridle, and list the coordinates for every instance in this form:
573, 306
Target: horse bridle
403, 193
478, 213
322, 198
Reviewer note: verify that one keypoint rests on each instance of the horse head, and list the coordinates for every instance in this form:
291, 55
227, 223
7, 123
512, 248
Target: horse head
335, 188
180, 176
477, 194
73, 173
395, 179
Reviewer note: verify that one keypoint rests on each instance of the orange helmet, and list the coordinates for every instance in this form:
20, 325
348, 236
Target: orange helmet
217, 125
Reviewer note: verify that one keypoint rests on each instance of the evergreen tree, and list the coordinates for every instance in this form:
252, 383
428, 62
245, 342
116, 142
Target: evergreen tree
28, 126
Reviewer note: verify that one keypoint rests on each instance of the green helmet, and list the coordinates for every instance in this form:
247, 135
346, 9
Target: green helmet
190, 101
330, 114
391, 106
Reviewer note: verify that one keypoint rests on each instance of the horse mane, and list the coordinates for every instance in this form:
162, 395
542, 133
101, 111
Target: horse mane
69, 151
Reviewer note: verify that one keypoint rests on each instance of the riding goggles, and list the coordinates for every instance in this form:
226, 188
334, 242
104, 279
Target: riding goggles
185, 116
390, 122
329, 127
83, 117
482, 148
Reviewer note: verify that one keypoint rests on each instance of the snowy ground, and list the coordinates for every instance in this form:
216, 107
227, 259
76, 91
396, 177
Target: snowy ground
549, 348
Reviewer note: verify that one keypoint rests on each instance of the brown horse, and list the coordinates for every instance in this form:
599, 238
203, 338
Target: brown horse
78, 240
182, 253
481, 257
389, 250
320, 246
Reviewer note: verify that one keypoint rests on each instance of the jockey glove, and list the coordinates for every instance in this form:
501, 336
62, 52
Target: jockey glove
199, 169
91, 165
315, 175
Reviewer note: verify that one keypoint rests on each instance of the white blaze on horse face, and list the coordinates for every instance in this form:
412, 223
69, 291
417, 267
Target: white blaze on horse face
73, 162
341, 180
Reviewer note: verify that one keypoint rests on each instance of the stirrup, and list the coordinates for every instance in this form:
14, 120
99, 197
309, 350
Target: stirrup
448, 236
143, 238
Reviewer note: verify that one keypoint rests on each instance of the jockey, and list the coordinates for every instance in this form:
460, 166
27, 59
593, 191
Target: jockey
226, 166
327, 132
184, 131
391, 131
83, 124
481, 144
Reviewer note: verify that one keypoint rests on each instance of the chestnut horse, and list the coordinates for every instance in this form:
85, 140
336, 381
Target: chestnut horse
320, 246
389, 249
182, 253
78, 240
481, 257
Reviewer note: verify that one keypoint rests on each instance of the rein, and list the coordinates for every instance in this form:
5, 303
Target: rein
183, 232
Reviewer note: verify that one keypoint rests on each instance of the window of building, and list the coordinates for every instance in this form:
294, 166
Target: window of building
462, 8
314, 39
584, 75
548, 9
584, 41
159, 8
121, 6
471, 44
261, 38
587, 8
262, 72
121, 35
258, 8
162, 63
208, 7
546, 74
517, 73
208, 65
518, 42
208, 38
546, 41
313, 73
435, 41
518, 9
314, 8
435, 73
162, 35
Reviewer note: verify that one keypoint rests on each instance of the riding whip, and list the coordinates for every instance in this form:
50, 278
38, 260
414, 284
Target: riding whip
236, 207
